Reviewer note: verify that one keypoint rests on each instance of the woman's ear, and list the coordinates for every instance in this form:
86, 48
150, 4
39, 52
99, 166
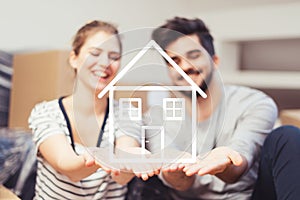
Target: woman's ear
73, 60
216, 61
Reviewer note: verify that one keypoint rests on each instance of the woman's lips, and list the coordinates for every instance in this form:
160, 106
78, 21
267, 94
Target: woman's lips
101, 74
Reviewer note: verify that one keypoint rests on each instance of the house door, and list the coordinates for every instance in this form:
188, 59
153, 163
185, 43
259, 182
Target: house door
155, 134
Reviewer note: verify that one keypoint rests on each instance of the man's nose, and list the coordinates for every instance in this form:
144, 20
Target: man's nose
185, 65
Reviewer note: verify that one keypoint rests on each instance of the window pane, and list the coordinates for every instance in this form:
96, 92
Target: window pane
169, 113
135, 104
134, 113
169, 104
178, 113
125, 104
178, 104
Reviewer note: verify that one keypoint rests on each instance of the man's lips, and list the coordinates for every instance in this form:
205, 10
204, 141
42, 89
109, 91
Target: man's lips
190, 72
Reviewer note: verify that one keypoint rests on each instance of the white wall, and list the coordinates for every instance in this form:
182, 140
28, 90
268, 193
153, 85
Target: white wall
50, 24
36, 24
32, 24
261, 22
255, 23
265, 22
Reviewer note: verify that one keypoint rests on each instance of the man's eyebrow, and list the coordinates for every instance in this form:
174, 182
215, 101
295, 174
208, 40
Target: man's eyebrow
172, 57
175, 56
193, 51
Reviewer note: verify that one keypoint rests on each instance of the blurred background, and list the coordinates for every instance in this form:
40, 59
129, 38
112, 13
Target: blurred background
258, 42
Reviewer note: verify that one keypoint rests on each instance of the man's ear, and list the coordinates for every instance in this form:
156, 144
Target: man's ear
73, 60
216, 61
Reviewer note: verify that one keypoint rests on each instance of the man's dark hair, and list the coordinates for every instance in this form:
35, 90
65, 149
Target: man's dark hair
178, 27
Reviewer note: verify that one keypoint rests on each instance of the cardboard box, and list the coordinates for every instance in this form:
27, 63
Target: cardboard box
290, 117
37, 77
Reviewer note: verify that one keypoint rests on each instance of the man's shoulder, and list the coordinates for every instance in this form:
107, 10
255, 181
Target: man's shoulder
242, 91
242, 95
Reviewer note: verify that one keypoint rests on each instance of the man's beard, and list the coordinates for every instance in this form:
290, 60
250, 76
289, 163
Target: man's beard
203, 86
206, 82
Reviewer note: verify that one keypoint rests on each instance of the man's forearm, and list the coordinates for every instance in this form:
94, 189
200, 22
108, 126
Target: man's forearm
178, 180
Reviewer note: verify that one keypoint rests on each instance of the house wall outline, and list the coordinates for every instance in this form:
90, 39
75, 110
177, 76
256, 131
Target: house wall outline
111, 88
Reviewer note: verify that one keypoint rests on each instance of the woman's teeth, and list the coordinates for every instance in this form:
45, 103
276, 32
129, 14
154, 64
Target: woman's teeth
101, 74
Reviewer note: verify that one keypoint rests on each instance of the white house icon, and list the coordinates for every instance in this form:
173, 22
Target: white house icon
173, 107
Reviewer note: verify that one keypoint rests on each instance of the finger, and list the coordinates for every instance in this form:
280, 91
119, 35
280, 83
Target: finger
204, 171
107, 169
138, 175
165, 167
150, 174
89, 163
212, 170
144, 177
115, 172
166, 170
169, 168
156, 172
174, 167
181, 166
235, 158
140, 169
214, 166
187, 166
193, 169
155, 166
126, 166
88, 159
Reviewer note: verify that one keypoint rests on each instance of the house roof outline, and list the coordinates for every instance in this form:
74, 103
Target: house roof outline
151, 44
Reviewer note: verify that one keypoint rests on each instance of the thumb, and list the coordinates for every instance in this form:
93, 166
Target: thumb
89, 160
236, 158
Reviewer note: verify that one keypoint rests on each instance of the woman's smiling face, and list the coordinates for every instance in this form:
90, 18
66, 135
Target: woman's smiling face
98, 60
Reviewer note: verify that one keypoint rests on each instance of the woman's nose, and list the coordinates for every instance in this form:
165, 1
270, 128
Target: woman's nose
103, 60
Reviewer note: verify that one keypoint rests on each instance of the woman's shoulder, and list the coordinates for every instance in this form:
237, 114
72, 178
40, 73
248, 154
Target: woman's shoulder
47, 104
46, 119
45, 108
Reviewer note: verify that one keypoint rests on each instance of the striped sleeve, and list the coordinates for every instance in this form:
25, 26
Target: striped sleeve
46, 120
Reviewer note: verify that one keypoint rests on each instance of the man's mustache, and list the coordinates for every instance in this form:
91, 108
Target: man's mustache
190, 72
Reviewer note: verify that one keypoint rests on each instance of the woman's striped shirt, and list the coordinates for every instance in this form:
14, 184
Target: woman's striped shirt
48, 119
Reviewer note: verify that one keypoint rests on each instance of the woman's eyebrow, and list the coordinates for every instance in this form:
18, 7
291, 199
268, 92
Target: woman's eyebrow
118, 52
97, 48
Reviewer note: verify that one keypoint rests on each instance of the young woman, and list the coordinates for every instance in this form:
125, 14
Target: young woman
64, 127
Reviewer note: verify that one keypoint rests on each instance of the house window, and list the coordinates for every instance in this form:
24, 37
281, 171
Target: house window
131, 107
174, 108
